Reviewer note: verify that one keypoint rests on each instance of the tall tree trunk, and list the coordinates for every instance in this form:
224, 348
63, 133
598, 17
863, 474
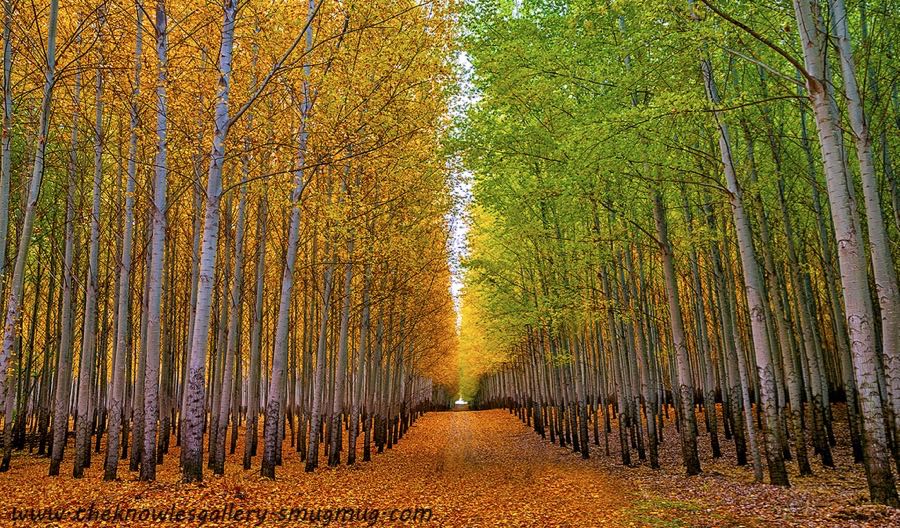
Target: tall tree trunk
755, 297
5, 142
340, 375
705, 360
279, 360
137, 403
14, 300
193, 409
255, 338
220, 326
233, 330
64, 355
836, 305
851, 258
885, 273
361, 370
116, 410
88, 340
315, 420
689, 453
195, 274
157, 252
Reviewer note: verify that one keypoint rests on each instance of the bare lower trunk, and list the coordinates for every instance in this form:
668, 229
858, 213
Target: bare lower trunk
340, 375
689, 453
851, 259
157, 255
315, 419
360, 373
86, 367
255, 337
233, 329
193, 410
885, 273
116, 410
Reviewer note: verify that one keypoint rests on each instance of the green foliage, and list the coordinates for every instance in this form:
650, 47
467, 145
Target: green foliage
584, 109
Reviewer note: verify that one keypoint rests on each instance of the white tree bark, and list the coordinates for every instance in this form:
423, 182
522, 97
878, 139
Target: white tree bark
157, 252
885, 273
851, 257
194, 408
89, 332
117, 396
755, 296
14, 300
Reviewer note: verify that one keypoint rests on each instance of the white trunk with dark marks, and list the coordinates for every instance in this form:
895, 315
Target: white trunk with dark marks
157, 252
885, 273
194, 410
14, 299
851, 257
117, 396
756, 302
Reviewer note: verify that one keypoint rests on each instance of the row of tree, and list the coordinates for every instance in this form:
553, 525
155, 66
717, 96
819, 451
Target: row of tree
222, 215
655, 224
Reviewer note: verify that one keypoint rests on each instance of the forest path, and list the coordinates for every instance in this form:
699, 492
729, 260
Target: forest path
469, 468
486, 469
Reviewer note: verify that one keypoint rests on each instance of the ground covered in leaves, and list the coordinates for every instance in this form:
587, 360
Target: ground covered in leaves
468, 468
726, 495
452, 469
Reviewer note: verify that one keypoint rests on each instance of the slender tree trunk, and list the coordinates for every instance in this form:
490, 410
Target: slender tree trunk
340, 375
361, 371
64, 355
233, 330
686, 390
374, 376
312, 451
755, 298
193, 409
157, 253
116, 410
705, 360
742, 371
88, 340
301, 180
137, 404
195, 273
14, 300
5, 145
851, 259
255, 338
